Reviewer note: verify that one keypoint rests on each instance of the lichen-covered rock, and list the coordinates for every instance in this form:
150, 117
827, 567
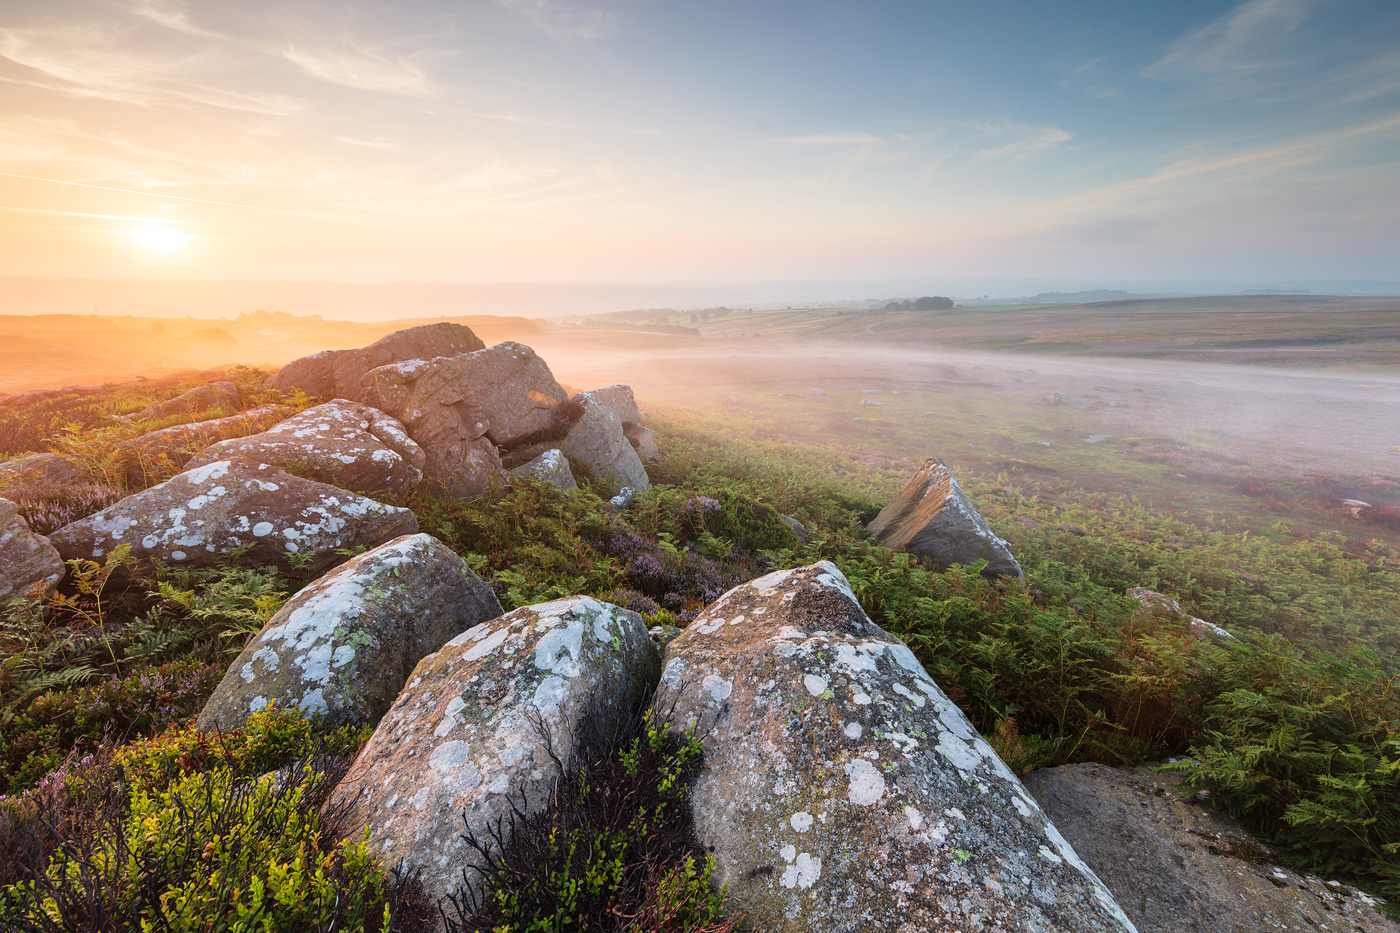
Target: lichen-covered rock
434, 401
484, 724
619, 398
202, 514
596, 441
40, 470
842, 791
200, 398
549, 467
1163, 606
344, 646
29, 564
1175, 866
934, 518
168, 450
512, 390
339, 373
342, 443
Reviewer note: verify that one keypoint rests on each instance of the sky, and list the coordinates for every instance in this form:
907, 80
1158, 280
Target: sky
700, 143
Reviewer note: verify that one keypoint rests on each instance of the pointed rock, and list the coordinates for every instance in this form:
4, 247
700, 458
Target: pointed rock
934, 518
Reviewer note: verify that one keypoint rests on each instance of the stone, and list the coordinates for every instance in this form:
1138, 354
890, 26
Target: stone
198, 516
341, 443
513, 391
343, 647
339, 373
29, 564
433, 400
40, 470
643, 441
596, 442
624, 499
484, 725
1175, 866
199, 399
619, 398
932, 517
843, 791
797, 527
815, 392
549, 467
167, 451
1160, 605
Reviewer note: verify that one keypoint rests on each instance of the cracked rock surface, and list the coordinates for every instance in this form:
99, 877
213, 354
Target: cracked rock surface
28, 562
843, 791
338, 373
485, 724
344, 646
202, 514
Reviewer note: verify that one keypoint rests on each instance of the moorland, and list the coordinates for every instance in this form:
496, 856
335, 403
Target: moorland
1124, 444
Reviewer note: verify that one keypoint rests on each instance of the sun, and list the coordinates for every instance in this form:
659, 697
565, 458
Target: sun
159, 239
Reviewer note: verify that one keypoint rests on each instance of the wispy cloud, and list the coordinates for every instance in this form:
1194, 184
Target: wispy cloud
1025, 140
561, 20
833, 139
361, 68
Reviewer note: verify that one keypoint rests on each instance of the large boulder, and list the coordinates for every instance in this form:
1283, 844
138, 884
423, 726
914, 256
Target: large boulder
199, 399
202, 514
596, 441
434, 401
843, 791
342, 443
1175, 866
549, 467
932, 517
484, 725
619, 398
163, 453
40, 470
29, 564
513, 391
338, 373
343, 647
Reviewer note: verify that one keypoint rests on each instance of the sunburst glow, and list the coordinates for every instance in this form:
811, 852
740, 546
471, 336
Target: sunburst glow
159, 239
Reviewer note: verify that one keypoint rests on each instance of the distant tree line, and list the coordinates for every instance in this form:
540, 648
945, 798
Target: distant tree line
927, 303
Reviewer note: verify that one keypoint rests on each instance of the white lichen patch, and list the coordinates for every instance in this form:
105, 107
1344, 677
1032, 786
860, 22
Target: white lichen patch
867, 784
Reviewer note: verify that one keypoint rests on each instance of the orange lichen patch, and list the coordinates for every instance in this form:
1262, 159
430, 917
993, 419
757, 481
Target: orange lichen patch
922, 498
537, 396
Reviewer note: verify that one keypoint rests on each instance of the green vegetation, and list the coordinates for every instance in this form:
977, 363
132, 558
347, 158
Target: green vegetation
1292, 725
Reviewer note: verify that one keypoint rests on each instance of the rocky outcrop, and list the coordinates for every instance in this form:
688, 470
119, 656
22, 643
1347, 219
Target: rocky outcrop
40, 470
168, 450
485, 724
342, 443
338, 373
512, 391
29, 564
202, 514
199, 399
1177, 868
643, 441
596, 441
343, 647
932, 517
843, 791
1161, 606
549, 467
621, 401
434, 401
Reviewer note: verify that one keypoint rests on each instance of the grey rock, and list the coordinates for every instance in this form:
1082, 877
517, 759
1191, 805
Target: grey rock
29, 564
1178, 868
619, 398
167, 451
624, 499
339, 373
40, 470
485, 723
199, 399
597, 442
342, 443
934, 518
343, 647
816, 393
200, 515
843, 791
1161, 606
512, 390
797, 527
434, 400
871, 403
643, 441
549, 467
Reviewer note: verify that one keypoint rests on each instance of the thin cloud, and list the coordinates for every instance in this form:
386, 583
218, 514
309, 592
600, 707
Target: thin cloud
1033, 139
360, 68
833, 139
1251, 38
560, 21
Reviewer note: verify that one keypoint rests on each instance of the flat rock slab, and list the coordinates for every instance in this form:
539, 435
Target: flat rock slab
342, 443
40, 470
932, 517
29, 564
201, 515
1178, 868
170, 449
549, 467
512, 390
842, 791
199, 399
343, 647
484, 724
339, 373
